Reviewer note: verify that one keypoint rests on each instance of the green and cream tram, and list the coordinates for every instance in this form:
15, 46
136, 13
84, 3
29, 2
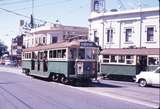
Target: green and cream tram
127, 62
62, 61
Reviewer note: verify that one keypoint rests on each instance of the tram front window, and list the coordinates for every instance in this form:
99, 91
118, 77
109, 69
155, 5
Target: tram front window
81, 54
86, 53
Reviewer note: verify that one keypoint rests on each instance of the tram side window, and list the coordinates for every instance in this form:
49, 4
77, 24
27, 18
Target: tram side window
129, 59
72, 53
59, 55
153, 61
94, 52
81, 54
113, 58
121, 59
54, 53
40, 55
50, 54
106, 58
45, 54
64, 53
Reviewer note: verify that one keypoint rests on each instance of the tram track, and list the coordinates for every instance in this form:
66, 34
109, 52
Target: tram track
17, 98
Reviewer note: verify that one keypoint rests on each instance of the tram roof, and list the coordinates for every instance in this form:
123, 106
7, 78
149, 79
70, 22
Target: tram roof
133, 51
76, 43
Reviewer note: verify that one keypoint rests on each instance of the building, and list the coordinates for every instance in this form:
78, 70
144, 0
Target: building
53, 33
129, 39
123, 29
16, 48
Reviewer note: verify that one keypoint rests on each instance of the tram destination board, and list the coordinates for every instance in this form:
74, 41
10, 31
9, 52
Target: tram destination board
87, 44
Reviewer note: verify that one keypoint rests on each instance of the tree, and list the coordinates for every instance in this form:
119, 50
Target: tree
3, 49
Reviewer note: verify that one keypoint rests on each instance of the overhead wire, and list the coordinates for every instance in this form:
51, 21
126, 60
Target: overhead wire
15, 2
43, 5
22, 15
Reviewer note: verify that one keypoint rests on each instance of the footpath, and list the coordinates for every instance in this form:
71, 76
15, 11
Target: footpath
17, 70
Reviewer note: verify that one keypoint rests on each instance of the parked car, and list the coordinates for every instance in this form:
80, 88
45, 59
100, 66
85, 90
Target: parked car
10, 63
148, 77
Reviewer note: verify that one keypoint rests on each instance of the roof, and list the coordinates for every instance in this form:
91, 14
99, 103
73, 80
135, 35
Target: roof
134, 51
76, 43
133, 11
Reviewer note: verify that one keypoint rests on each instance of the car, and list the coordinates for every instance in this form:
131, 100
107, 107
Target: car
10, 63
145, 78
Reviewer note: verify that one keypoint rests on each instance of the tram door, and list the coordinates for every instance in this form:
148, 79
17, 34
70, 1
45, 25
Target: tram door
33, 62
141, 63
45, 63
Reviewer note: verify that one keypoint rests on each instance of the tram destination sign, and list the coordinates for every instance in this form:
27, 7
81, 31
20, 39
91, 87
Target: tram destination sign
87, 44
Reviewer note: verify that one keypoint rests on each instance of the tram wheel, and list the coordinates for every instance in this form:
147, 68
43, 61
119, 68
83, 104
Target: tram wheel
54, 77
64, 80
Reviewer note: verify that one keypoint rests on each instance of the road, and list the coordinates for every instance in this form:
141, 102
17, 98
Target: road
22, 92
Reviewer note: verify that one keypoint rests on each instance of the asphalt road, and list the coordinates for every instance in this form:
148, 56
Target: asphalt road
21, 92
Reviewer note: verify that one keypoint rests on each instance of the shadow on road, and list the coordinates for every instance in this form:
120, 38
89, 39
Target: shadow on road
105, 85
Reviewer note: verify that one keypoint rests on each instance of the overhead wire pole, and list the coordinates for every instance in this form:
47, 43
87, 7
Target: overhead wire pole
32, 15
140, 6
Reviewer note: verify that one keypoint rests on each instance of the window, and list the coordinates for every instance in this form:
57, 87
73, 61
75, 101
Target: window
54, 54
54, 40
96, 6
153, 61
109, 35
121, 59
81, 53
106, 58
44, 40
72, 53
150, 33
64, 53
59, 55
96, 39
129, 59
113, 58
50, 54
128, 35
158, 70
88, 54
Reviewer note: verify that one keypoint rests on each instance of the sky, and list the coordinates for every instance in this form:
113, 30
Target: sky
68, 12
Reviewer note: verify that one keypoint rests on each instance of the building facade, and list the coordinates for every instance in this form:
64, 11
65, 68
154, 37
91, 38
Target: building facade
16, 48
53, 33
124, 29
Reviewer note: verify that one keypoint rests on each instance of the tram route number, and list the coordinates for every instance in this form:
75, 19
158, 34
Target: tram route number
87, 44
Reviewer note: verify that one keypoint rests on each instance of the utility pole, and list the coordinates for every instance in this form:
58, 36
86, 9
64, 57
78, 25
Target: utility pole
140, 23
32, 15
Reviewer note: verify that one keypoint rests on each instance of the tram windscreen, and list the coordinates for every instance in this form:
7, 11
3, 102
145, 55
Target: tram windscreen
86, 53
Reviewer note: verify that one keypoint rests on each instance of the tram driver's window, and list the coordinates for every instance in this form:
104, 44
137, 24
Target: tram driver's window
81, 54
88, 54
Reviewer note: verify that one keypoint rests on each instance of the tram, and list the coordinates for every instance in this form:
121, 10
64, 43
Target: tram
128, 62
76, 60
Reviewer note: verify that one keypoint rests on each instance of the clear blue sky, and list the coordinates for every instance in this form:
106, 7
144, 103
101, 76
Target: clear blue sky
68, 12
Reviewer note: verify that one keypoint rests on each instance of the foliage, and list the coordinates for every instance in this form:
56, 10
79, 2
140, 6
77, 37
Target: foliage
3, 49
